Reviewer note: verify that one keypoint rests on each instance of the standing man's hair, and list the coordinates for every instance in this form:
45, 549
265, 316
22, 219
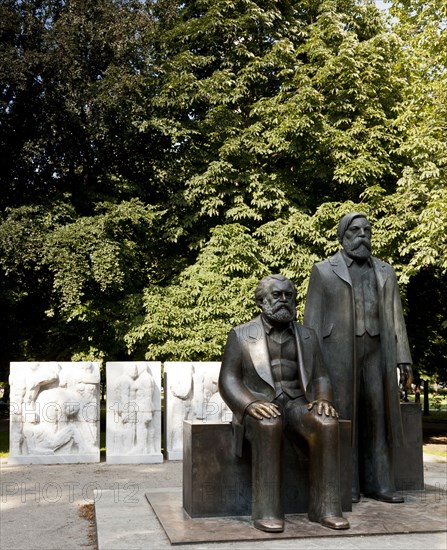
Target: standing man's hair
346, 221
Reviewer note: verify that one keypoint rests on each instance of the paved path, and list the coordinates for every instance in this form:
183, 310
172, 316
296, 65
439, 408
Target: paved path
40, 507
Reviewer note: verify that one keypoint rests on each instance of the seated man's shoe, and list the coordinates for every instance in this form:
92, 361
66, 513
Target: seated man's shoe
391, 498
270, 525
355, 497
335, 522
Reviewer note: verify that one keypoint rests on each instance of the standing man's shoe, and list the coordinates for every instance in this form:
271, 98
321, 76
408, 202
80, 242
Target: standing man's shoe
391, 498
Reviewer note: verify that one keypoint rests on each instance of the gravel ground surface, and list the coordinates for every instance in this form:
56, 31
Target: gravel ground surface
42, 506
45, 507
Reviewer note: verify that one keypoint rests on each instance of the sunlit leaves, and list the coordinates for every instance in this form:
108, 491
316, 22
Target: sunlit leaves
189, 320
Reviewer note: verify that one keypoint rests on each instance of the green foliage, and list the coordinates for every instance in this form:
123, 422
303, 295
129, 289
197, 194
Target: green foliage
106, 251
277, 105
420, 201
161, 157
189, 319
427, 312
69, 101
99, 264
78, 278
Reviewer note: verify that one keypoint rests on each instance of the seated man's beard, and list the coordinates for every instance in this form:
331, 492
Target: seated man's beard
281, 313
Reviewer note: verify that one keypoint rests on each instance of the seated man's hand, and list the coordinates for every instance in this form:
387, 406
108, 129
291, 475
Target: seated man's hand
320, 406
263, 409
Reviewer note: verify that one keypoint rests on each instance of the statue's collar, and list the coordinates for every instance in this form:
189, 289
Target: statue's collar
268, 326
349, 261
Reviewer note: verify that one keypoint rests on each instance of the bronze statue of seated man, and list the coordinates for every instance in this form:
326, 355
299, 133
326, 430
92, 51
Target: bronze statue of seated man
273, 379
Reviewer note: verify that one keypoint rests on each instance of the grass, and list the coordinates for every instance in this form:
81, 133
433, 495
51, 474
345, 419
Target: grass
102, 446
435, 416
4, 444
442, 454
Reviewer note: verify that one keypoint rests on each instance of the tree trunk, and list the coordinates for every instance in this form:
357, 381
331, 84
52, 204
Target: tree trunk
426, 404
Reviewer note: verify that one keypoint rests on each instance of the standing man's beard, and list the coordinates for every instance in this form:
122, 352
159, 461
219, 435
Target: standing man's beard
281, 313
358, 249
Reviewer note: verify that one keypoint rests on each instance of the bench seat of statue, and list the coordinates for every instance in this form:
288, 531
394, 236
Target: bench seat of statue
217, 483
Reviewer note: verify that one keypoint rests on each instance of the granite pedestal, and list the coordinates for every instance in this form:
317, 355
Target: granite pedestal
408, 460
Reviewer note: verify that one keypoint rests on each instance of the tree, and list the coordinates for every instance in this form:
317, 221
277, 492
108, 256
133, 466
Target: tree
190, 318
25, 282
161, 157
272, 105
73, 78
416, 215
72, 284
423, 122
75, 165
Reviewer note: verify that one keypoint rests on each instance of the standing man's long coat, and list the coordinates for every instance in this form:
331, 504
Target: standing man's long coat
330, 311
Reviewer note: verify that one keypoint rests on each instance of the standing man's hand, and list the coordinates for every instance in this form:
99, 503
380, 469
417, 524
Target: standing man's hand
263, 409
406, 375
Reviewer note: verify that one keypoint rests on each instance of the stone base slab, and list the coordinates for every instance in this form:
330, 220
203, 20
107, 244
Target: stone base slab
54, 459
135, 459
174, 455
422, 512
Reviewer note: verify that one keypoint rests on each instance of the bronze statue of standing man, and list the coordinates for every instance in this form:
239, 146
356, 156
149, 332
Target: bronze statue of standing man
353, 304
273, 379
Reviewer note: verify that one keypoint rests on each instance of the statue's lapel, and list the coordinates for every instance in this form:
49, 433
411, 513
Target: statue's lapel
302, 338
257, 342
340, 268
381, 272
